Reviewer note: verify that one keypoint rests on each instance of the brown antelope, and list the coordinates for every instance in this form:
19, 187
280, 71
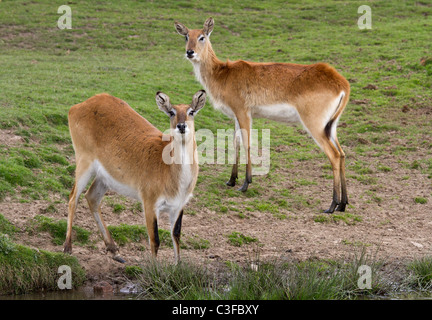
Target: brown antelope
314, 95
124, 153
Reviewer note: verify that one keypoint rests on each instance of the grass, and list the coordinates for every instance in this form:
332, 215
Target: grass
349, 219
163, 281
420, 200
6, 227
124, 234
134, 54
259, 280
57, 230
88, 60
421, 276
23, 269
276, 279
238, 239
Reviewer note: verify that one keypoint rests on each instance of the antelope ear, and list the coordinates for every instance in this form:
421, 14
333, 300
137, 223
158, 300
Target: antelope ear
162, 101
208, 26
181, 29
198, 101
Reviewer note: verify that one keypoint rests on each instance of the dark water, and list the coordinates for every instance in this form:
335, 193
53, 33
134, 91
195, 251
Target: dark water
87, 293
74, 294
411, 296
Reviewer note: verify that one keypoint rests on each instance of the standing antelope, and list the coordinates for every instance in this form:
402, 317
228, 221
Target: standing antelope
125, 152
314, 95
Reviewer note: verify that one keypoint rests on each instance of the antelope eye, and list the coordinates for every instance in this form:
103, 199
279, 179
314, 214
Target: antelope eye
172, 114
192, 113
201, 38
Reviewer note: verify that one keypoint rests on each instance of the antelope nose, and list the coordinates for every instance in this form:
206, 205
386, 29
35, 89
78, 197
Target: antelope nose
181, 127
190, 53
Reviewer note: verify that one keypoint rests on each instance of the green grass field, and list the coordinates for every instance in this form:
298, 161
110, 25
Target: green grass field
131, 50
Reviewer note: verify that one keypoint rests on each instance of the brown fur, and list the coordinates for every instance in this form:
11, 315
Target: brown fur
107, 129
243, 86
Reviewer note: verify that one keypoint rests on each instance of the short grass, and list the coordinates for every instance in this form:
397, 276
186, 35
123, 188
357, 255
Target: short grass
347, 218
131, 50
6, 227
124, 234
136, 53
238, 239
57, 230
24, 269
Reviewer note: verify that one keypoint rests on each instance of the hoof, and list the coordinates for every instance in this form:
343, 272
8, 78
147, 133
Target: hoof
341, 207
333, 206
231, 182
244, 187
67, 249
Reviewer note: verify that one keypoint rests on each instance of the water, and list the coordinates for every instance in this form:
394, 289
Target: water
411, 296
85, 293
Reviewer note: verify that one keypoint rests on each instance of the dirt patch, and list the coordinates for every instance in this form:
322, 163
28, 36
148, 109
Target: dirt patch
392, 223
18, 36
9, 139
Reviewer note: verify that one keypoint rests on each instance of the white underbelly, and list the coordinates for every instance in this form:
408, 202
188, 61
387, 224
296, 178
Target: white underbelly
282, 112
112, 184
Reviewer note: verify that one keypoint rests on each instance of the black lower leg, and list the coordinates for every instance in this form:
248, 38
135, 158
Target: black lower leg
244, 187
341, 207
232, 181
335, 202
177, 228
344, 201
246, 183
156, 236
234, 172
